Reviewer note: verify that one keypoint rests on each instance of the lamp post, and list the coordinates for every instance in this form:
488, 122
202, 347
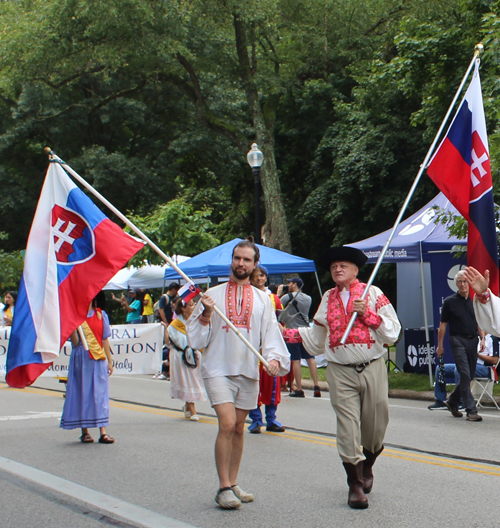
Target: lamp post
255, 159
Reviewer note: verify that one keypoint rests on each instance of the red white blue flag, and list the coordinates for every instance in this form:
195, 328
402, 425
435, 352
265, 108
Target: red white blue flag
461, 169
188, 291
73, 250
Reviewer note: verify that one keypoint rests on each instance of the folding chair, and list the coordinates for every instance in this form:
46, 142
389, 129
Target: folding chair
483, 387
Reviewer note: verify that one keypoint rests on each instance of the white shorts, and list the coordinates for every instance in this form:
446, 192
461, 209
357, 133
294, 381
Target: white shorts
240, 390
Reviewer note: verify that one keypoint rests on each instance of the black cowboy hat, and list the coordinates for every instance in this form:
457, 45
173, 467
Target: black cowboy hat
346, 253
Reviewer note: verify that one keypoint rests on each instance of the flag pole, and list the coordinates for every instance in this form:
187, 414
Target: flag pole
477, 50
54, 158
83, 339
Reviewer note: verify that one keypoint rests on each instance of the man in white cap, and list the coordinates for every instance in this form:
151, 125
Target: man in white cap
356, 372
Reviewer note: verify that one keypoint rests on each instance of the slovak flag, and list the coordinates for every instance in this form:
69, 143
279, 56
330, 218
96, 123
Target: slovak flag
188, 291
461, 169
73, 250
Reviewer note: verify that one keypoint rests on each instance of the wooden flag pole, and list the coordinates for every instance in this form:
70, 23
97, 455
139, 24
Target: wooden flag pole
54, 158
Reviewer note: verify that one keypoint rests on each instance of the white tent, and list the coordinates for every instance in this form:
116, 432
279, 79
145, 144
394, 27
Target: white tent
145, 277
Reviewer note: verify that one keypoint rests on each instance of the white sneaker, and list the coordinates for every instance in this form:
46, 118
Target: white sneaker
242, 495
187, 414
195, 418
227, 500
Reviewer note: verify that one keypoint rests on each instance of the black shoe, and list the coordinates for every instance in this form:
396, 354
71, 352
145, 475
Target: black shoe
454, 410
317, 392
275, 428
256, 430
438, 405
297, 394
474, 417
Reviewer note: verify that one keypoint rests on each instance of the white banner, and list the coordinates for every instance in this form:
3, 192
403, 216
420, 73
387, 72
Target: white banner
135, 349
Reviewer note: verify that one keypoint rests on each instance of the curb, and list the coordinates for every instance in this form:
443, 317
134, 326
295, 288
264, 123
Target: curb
393, 393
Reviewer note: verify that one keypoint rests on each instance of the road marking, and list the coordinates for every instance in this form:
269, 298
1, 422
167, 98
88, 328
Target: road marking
32, 416
125, 510
318, 438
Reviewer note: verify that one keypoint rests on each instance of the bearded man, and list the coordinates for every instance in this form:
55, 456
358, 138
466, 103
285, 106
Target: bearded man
229, 369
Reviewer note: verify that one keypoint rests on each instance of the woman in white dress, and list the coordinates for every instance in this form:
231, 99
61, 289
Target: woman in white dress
186, 383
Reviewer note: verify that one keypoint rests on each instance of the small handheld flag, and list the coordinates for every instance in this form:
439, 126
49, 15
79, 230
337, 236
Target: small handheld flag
188, 291
73, 250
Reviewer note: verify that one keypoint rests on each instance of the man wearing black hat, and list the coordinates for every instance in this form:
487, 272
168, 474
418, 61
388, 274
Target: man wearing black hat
356, 372
295, 314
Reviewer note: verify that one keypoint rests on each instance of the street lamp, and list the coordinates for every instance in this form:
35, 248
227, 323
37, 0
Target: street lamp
255, 159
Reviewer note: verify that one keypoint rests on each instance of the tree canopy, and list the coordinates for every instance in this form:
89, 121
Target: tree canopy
157, 103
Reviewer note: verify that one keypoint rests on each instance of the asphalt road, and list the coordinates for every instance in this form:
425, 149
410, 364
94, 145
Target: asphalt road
436, 470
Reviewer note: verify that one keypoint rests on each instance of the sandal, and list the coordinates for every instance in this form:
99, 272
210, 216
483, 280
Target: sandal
106, 439
86, 439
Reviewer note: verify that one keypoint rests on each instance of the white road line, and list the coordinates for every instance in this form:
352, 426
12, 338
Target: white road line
125, 510
32, 416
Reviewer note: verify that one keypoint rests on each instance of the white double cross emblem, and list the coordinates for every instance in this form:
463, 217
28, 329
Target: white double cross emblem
62, 236
477, 163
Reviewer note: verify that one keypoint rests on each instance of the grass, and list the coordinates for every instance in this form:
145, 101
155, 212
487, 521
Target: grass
400, 380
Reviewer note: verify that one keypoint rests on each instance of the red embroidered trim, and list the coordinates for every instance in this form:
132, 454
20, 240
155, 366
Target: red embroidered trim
291, 335
242, 318
382, 300
371, 319
338, 319
484, 297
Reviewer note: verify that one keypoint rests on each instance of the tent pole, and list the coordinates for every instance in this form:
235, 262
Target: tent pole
319, 285
410, 192
426, 322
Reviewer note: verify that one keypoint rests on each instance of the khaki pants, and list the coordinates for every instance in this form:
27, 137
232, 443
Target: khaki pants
360, 401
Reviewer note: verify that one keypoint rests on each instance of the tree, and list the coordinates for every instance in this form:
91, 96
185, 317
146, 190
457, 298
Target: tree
177, 229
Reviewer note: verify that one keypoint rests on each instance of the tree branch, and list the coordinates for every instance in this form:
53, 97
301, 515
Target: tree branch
55, 86
206, 116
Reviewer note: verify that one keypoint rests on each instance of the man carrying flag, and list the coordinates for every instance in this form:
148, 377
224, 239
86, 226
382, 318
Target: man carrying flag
73, 250
461, 169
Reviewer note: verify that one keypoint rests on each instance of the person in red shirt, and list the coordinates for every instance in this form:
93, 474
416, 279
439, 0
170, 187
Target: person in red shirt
269, 386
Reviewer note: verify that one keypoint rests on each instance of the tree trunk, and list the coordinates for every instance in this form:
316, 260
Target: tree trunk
275, 231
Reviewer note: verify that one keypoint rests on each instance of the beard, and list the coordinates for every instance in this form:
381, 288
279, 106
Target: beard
240, 273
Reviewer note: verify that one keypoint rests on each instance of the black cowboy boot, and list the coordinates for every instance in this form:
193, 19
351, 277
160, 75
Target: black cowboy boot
356, 498
367, 468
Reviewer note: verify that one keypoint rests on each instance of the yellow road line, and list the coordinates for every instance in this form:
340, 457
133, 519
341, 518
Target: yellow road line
33, 390
300, 436
317, 439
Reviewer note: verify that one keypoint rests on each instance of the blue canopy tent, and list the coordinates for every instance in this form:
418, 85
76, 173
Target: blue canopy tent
417, 239
216, 263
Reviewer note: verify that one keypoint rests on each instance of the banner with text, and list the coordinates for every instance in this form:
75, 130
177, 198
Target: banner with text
135, 349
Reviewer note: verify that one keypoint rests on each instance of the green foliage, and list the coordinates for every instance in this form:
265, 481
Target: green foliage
176, 229
11, 266
152, 103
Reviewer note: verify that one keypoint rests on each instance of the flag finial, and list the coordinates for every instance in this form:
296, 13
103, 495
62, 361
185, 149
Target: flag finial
479, 48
